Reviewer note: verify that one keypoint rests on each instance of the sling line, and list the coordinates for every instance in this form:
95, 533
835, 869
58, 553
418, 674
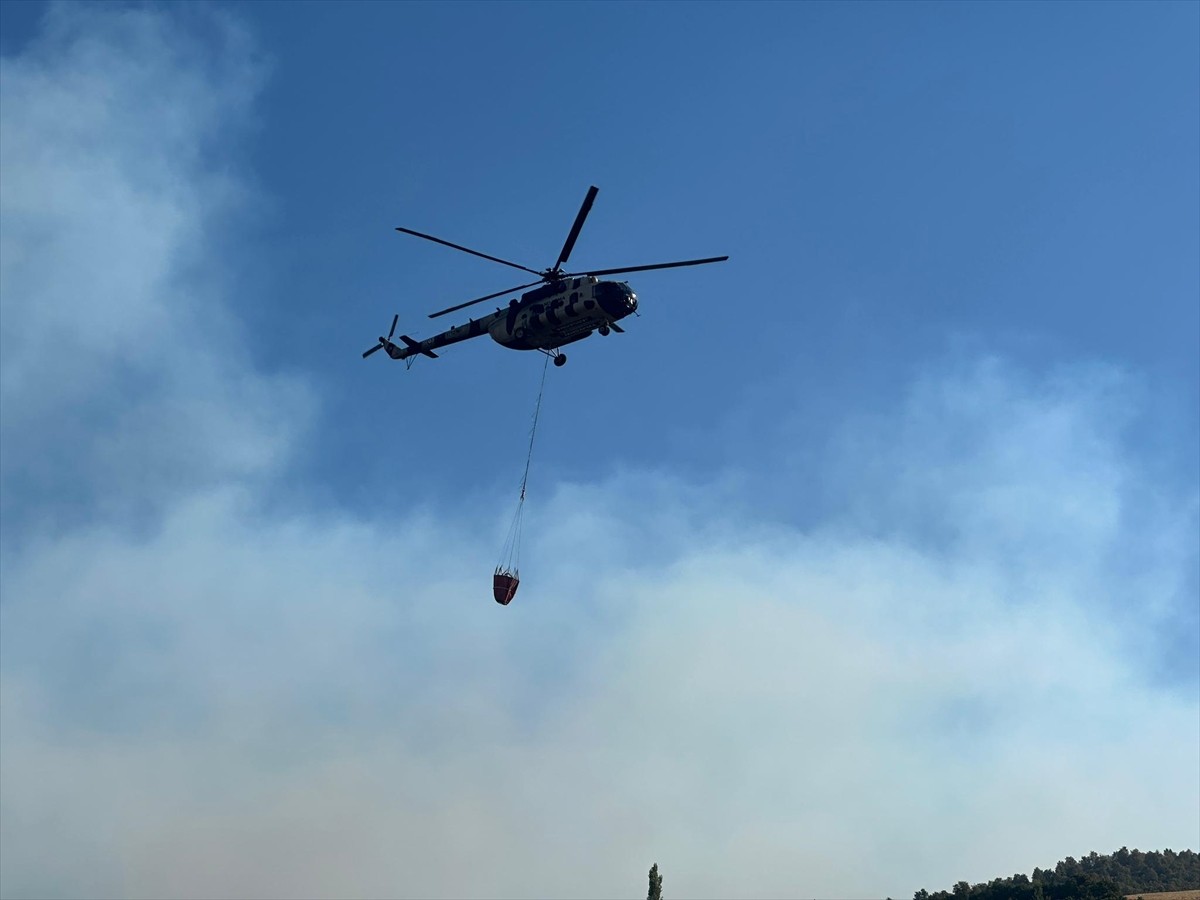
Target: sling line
507, 574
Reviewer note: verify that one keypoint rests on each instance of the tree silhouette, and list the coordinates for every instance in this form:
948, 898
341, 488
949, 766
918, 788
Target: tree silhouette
655, 892
1092, 877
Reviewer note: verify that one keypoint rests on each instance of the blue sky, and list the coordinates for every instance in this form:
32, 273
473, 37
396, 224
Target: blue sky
879, 538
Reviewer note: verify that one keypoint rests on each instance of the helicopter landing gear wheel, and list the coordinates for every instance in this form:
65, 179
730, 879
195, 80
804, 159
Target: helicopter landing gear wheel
603, 329
560, 359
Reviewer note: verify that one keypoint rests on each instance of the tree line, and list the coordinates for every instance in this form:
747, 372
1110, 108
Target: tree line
1109, 876
1093, 877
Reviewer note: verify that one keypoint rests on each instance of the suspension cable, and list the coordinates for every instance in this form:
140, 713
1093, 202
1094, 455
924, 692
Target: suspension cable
510, 554
533, 430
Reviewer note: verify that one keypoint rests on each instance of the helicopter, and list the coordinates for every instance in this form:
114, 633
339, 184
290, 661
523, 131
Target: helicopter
564, 307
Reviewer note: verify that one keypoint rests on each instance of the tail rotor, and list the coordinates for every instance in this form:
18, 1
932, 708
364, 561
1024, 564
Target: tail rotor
384, 341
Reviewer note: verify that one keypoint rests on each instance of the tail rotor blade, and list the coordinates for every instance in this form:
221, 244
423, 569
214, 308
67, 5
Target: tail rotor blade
384, 340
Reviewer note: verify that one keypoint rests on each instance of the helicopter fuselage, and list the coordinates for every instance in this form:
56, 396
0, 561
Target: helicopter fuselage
562, 312
546, 318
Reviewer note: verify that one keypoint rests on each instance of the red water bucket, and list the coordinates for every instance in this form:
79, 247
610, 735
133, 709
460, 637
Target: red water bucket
504, 586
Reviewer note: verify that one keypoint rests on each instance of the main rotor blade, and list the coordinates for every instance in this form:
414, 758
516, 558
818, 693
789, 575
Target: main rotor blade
395, 319
436, 240
574, 235
670, 265
372, 350
451, 309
